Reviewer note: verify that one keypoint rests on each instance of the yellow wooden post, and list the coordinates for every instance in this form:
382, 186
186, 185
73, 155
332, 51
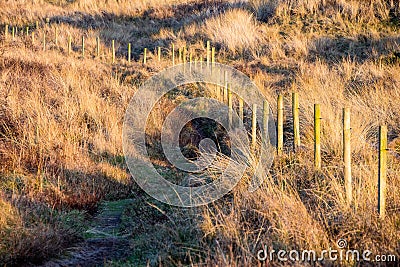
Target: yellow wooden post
225, 94
347, 154
97, 46
230, 107
208, 53
184, 54
83, 46
280, 125
69, 44
317, 136
112, 51
296, 121
241, 110
44, 41
159, 53
55, 36
382, 171
129, 52
145, 56
6, 31
213, 56
173, 55
265, 119
254, 127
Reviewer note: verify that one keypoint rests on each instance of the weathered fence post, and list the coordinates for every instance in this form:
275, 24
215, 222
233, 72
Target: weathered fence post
13, 33
145, 56
241, 111
208, 53
6, 31
382, 171
347, 154
225, 94
69, 44
230, 107
265, 119
296, 122
55, 36
33, 37
280, 125
97, 46
254, 127
112, 51
317, 136
83, 46
44, 41
173, 55
213, 56
159, 53
27, 31
129, 52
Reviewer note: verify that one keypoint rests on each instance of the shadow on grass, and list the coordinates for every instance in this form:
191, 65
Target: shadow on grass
141, 30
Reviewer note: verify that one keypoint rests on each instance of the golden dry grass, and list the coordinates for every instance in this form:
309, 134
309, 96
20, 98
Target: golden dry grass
61, 120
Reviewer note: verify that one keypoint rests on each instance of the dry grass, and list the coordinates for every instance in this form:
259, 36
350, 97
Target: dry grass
61, 120
236, 29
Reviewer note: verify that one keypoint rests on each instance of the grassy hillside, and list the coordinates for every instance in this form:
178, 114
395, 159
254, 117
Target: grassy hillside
61, 117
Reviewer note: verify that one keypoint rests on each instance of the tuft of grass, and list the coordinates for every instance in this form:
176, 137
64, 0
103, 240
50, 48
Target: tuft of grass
235, 29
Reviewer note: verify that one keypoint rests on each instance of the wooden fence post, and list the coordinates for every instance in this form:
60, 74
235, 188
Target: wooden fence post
55, 36
27, 31
208, 53
145, 56
347, 154
69, 44
230, 107
254, 127
382, 171
213, 56
129, 52
159, 53
265, 119
241, 111
225, 94
13, 32
173, 55
44, 41
112, 51
98, 46
296, 121
317, 136
280, 125
6, 31
83, 46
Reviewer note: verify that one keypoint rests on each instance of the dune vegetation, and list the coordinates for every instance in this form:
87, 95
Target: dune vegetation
62, 113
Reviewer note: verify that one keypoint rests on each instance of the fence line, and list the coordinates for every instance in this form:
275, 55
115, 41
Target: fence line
224, 93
